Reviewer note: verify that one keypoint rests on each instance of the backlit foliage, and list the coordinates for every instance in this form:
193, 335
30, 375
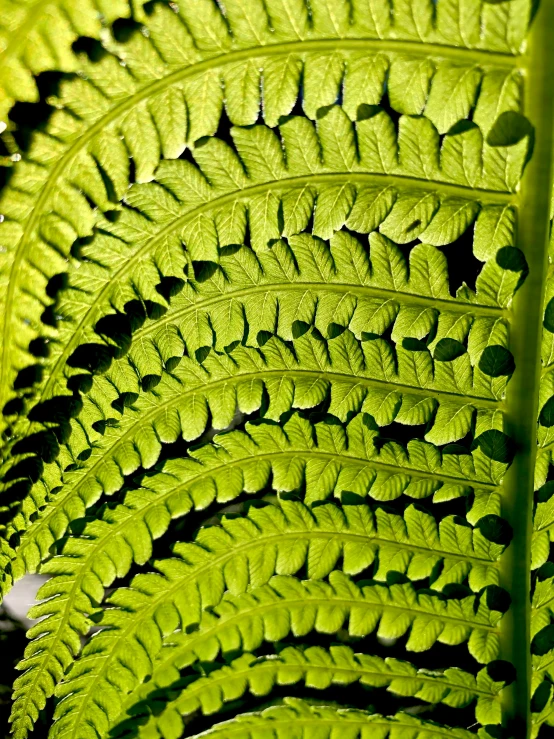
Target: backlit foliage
271, 276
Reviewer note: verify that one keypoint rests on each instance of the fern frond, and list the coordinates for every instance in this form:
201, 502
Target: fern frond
346, 453
131, 259
119, 650
316, 668
156, 105
145, 245
287, 604
285, 539
301, 717
479, 370
305, 220
298, 282
245, 621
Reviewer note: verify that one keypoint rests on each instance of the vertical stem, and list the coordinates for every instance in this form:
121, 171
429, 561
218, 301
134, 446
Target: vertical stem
522, 396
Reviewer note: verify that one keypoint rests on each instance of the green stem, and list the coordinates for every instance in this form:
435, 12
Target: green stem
522, 400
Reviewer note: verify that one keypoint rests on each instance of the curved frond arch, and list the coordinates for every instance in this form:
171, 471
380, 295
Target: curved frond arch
316, 668
287, 538
122, 449
109, 102
129, 657
304, 717
271, 279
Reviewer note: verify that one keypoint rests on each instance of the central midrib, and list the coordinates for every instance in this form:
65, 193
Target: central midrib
523, 393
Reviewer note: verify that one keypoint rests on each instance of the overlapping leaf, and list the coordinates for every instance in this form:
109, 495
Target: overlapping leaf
109, 103
316, 668
304, 718
120, 656
251, 213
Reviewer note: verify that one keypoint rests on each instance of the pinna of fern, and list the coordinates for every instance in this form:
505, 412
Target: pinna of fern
99, 166
302, 228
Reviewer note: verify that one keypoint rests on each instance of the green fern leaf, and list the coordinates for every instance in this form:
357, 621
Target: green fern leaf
450, 621
300, 716
35, 40
288, 539
272, 276
82, 487
318, 669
